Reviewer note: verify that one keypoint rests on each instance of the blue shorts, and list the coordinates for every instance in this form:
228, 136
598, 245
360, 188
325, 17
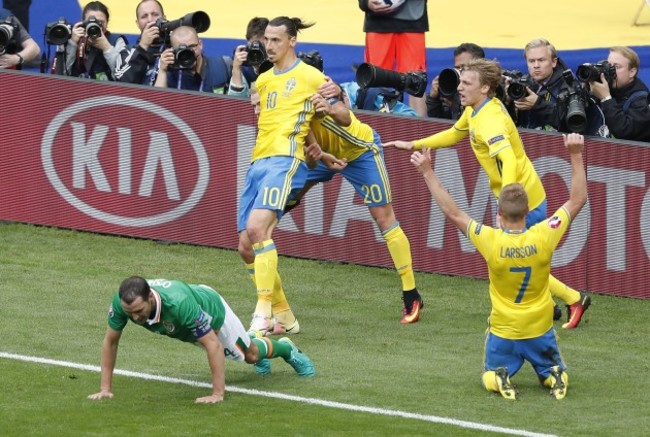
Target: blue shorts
367, 174
542, 352
536, 215
269, 183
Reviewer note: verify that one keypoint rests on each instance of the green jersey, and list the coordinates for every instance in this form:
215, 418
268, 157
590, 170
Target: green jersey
183, 311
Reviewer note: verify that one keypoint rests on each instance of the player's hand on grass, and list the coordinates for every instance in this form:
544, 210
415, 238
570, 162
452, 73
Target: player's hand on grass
403, 145
212, 399
104, 394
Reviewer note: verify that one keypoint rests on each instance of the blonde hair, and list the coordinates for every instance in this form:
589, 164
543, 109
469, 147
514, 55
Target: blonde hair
513, 202
628, 54
489, 73
541, 42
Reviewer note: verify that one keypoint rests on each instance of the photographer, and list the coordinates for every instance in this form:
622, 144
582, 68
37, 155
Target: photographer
244, 70
449, 107
138, 64
92, 51
185, 67
539, 108
625, 104
20, 48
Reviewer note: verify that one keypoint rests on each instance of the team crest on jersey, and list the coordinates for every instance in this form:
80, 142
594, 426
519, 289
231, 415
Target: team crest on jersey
554, 222
495, 139
169, 326
289, 86
111, 313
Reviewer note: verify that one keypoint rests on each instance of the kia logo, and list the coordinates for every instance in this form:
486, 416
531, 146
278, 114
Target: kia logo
115, 179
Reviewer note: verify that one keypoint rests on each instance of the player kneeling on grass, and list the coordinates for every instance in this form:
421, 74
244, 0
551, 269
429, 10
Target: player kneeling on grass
194, 314
519, 262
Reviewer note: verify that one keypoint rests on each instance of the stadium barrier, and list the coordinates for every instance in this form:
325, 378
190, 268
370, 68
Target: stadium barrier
168, 165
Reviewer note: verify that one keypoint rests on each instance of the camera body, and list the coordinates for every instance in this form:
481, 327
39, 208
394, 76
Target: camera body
412, 82
256, 53
312, 58
93, 27
573, 101
8, 32
591, 72
519, 83
184, 58
58, 32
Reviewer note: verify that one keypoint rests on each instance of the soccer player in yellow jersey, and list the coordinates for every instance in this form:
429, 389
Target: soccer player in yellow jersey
356, 148
519, 262
500, 152
277, 167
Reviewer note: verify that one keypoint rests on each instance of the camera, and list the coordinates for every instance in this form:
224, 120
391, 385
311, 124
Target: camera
312, 58
591, 72
573, 101
256, 53
518, 85
8, 33
93, 28
199, 20
184, 58
448, 81
58, 32
413, 82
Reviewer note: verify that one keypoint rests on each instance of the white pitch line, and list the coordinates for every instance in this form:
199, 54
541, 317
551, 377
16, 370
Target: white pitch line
276, 395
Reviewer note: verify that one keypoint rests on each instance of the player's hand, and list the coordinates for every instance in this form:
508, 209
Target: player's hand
403, 145
104, 394
422, 161
333, 163
574, 142
212, 399
329, 88
321, 105
313, 154
527, 102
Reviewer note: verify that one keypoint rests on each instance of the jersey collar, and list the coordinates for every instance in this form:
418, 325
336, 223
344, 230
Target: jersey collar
156, 318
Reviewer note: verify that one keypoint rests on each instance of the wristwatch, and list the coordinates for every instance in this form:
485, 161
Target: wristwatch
21, 61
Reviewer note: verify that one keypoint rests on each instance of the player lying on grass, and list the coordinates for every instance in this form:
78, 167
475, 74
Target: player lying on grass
519, 261
195, 314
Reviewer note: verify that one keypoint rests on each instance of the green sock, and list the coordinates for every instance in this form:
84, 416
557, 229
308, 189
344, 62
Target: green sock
278, 349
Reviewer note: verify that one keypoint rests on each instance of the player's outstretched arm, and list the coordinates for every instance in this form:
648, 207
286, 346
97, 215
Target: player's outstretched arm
422, 161
216, 359
109, 356
578, 196
402, 145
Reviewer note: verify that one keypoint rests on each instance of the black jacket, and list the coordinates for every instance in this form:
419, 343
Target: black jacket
547, 113
401, 21
633, 124
136, 65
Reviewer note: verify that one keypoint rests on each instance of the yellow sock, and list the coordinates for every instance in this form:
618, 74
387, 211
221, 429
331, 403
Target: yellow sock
489, 381
266, 269
250, 268
563, 291
400, 251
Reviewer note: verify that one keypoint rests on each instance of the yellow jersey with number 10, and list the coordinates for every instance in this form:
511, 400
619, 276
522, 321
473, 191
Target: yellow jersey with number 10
285, 110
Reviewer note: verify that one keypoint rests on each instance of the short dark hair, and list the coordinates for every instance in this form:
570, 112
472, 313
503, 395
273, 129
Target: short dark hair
469, 47
132, 288
256, 27
96, 6
293, 25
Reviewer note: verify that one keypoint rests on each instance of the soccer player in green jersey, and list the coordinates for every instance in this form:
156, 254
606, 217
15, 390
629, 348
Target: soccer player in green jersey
518, 258
194, 314
499, 150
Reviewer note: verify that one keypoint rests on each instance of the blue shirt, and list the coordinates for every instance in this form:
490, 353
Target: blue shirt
214, 77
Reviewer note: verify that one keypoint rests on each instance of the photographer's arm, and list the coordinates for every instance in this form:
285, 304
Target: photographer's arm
113, 53
238, 84
166, 59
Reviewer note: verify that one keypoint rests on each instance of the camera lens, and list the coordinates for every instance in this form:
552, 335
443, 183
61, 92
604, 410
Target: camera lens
93, 30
